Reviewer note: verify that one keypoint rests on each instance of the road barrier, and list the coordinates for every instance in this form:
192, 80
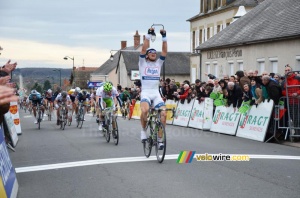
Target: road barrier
227, 120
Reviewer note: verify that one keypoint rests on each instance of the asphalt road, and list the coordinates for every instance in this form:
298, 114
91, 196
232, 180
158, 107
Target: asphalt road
100, 169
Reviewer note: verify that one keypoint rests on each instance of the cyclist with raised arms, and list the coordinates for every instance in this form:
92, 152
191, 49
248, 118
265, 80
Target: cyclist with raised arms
150, 68
65, 98
106, 96
35, 98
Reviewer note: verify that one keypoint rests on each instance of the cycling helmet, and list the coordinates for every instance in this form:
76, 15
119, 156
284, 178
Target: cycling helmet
64, 94
149, 49
49, 91
107, 87
34, 92
77, 89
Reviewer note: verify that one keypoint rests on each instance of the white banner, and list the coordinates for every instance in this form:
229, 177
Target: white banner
183, 113
169, 105
11, 128
225, 120
208, 113
197, 115
255, 123
14, 112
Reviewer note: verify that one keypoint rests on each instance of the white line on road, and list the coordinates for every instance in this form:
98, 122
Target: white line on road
129, 159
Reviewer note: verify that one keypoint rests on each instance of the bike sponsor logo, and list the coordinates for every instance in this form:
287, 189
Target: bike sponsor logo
152, 71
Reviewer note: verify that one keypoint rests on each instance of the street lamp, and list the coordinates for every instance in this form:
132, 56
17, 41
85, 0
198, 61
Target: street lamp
111, 55
66, 58
59, 70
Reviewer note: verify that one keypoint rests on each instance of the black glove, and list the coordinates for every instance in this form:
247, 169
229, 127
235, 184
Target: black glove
256, 105
151, 31
163, 33
269, 99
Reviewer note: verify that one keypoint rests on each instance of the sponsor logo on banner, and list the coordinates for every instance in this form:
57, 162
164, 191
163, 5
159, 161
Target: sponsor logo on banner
254, 124
183, 113
16, 121
225, 120
13, 109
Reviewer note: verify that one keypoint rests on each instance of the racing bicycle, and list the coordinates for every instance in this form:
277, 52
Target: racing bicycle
154, 127
108, 129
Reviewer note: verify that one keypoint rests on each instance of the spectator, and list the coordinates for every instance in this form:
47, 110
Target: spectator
242, 79
247, 95
173, 86
293, 93
169, 93
232, 79
256, 92
226, 78
278, 79
183, 96
217, 88
273, 89
234, 95
223, 85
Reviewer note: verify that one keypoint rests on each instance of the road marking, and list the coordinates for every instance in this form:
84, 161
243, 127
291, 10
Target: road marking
129, 159
28, 116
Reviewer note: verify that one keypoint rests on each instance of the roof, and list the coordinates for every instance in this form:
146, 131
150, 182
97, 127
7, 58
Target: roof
270, 20
109, 65
176, 63
87, 69
234, 3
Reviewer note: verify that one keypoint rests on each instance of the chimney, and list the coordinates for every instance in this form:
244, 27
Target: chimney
123, 44
137, 39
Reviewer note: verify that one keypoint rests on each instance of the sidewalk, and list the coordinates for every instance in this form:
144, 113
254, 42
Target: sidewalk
288, 143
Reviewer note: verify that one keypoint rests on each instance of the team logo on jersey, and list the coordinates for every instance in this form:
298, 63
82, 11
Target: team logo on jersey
152, 71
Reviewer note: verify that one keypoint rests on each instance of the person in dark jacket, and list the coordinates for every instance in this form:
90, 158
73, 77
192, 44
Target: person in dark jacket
273, 89
234, 95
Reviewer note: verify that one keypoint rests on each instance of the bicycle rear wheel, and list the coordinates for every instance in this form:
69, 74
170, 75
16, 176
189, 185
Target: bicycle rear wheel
147, 145
81, 120
116, 133
160, 152
39, 119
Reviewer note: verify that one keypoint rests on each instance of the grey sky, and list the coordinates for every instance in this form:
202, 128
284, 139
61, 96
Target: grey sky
39, 33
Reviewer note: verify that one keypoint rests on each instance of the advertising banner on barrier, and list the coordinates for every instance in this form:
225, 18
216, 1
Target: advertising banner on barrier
225, 120
136, 110
14, 111
197, 115
254, 124
7, 172
208, 113
183, 113
169, 105
11, 128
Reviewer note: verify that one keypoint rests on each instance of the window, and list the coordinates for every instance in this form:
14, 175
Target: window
208, 5
216, 69
193, 74
274, 66
208, 68
208, 33
241, 66
297, 64
200, 36
230, 69
227, 24
215, 4
261, 67
193, 41
218, 28
201, 6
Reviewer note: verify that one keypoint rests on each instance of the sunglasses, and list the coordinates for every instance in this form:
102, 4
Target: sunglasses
152, 51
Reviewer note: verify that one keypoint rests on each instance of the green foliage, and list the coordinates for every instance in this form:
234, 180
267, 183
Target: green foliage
37, 87
47, 85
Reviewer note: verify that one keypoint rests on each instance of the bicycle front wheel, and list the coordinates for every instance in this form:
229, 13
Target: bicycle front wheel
81, 120
39, 119
161, 142
147, 144
107, 133
116, 133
